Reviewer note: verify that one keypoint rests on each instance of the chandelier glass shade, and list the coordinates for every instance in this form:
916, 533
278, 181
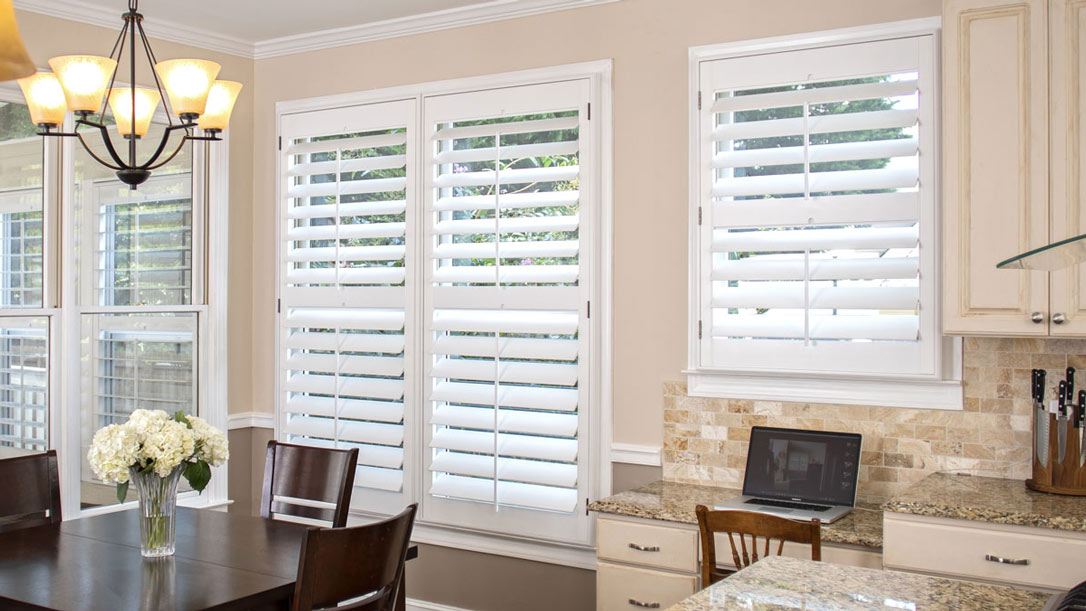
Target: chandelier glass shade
87, 86
14, 61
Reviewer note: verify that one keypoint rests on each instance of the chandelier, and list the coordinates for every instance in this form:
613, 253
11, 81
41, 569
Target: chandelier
84, 84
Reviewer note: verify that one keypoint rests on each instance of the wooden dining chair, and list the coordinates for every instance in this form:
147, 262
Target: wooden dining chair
361, 562
33, 491
744, 523
320, 478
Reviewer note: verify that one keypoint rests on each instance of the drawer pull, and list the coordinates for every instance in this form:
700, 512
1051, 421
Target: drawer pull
644, 548
638, 603
1002, 560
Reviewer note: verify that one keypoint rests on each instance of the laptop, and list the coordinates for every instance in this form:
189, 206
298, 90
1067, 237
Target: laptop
798, 474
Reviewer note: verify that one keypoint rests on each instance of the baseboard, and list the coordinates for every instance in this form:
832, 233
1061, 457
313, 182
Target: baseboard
422, 605
631, 454
250, 420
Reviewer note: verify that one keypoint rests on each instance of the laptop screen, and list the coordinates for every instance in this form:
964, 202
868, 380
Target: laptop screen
798, 465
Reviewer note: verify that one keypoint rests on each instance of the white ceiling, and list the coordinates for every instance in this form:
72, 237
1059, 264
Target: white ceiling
265, 28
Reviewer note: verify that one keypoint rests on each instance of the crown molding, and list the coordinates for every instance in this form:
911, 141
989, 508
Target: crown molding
495, 10
159, 29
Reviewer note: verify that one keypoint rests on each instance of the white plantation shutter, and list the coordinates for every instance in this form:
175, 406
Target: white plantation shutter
506, 334
345, 329
24, 383
816, 204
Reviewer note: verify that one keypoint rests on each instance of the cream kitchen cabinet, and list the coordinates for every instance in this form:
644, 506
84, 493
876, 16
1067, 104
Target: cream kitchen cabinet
1039, 558
1012, 136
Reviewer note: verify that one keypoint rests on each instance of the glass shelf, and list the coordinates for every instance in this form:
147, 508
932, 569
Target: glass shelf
1056, 255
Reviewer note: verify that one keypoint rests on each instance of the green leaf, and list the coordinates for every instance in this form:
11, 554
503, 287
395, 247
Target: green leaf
122, 492
198, 475
179, 416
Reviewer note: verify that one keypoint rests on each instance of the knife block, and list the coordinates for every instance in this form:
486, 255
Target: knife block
1066, 477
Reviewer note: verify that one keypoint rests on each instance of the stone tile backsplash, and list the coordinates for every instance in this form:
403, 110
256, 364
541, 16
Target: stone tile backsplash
705, 439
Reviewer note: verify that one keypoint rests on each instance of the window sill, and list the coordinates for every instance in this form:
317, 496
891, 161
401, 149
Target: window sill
882, 392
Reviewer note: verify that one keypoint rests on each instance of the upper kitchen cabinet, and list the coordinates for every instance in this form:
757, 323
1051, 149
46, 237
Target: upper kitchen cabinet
1012, 102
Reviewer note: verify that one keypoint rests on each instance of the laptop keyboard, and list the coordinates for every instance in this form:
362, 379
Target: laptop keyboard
788, 504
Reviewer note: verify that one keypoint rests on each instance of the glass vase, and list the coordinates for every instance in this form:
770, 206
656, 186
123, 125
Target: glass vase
158, 507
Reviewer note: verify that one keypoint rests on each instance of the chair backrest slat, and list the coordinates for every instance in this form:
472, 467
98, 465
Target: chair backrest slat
324, 475
33, 496
340, 564
756, 525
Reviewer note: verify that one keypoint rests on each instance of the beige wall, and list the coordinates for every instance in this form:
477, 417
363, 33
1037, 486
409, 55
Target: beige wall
647, 41
47, 37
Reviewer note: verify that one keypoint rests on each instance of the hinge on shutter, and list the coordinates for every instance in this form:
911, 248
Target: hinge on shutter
590, 111
699, 329
279, 305
588, 306
280, 143
586, 505
699, 215
699, 100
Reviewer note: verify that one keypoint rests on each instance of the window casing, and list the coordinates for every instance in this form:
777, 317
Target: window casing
103, 301
473, 300
814, 191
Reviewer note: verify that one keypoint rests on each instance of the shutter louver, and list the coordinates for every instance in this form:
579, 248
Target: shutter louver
344, 319
506, 335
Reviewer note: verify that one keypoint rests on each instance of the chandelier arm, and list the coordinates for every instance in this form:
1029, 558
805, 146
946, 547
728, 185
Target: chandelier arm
109, 147
105, 140
118, 47
180, 145
162, 145
158, 84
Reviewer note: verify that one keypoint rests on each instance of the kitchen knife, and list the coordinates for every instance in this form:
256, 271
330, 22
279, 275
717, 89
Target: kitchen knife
1080, 422
1061, 422
1040, 425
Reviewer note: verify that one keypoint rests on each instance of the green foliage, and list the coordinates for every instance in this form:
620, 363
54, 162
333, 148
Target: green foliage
15, 122
122, 492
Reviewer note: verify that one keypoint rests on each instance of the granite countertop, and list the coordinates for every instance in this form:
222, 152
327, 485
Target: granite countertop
787, 583
675, 502
990, 499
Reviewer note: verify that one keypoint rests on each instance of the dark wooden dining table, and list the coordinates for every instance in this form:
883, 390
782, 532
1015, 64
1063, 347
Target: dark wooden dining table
222, 561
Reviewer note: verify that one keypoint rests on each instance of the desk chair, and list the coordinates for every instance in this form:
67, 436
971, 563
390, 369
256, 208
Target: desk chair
322, 476
33, 496
755, 525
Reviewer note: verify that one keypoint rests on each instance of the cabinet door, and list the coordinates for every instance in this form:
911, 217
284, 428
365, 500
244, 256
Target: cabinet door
995, 164
1067, 104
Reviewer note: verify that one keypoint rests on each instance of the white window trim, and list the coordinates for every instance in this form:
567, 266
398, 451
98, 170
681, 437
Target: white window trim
938, 392
599, 75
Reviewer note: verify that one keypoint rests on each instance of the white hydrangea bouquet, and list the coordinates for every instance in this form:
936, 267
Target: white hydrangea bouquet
155, 451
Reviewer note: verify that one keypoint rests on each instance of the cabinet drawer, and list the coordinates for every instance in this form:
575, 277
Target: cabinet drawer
645, 544
1051, 559
616, 586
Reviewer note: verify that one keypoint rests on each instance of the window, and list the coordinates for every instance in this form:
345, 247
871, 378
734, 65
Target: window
439, 256
816, 216
103, 298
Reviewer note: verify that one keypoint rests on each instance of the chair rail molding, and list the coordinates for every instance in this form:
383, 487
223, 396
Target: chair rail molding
250, 420
633, 454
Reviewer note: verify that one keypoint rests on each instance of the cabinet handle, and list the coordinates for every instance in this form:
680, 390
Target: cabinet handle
1002, 560
1037, 317
638, 603
1058, 318
644, 548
